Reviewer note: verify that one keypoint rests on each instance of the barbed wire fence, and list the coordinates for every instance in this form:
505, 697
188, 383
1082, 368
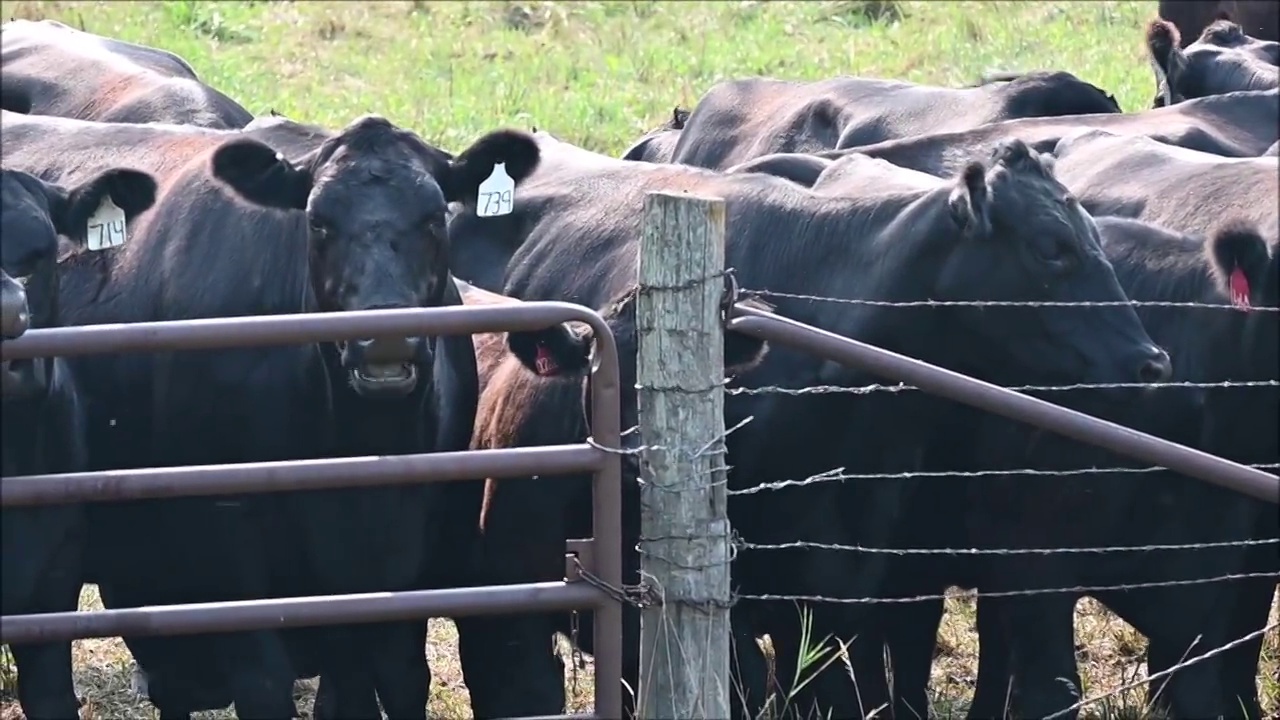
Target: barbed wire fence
686, 544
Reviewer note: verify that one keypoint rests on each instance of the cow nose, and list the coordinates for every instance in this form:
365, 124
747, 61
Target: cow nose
15, 318
389, 350
1156, 368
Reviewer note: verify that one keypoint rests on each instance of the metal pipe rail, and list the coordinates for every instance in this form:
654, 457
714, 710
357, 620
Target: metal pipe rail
275, 613
295, 475
602, 555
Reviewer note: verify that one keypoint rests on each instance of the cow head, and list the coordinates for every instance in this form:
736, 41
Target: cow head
1223, 59
374, 199
33, 215
567, 350
1022, 237
1249, 274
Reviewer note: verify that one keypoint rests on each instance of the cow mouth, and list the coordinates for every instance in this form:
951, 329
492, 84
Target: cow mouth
384, 379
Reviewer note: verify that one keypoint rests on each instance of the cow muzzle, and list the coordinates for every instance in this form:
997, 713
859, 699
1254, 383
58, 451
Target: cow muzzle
383, 367
18, 378
15, 316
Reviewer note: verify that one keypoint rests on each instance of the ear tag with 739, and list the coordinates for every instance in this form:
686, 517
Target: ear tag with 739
106, 227
496, 193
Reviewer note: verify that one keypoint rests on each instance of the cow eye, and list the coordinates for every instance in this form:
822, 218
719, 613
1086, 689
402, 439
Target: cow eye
28, 264
1057, 256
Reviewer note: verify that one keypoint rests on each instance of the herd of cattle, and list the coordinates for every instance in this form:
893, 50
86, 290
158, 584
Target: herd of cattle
134, 192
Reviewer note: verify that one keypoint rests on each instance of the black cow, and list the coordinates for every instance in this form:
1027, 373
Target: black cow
1258, 17
48, 68
1172, 186
658, 145
1224, 59
1183, 189
574, 233
337, 221
1242, 124
1029, 638
43, 429
1242, 424
739, 120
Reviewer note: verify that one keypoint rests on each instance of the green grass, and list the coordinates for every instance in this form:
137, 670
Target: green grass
600, 74
597, 74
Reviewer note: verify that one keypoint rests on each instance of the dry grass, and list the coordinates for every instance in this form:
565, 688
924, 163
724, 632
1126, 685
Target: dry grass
104, 676
1110, 654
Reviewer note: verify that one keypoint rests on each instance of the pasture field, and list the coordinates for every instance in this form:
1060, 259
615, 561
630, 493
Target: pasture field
599, 74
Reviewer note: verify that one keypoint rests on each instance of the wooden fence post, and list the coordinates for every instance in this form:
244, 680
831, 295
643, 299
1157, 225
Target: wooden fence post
684, 640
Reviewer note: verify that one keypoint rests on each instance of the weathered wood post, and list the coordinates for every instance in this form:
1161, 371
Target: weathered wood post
684, 640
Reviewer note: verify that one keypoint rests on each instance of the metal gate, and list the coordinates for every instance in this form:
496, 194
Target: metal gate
600, 556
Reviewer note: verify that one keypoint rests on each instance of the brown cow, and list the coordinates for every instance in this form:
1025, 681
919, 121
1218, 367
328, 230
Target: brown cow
1259, 18
533, 391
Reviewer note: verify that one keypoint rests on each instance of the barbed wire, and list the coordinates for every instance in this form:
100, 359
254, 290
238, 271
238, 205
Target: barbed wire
642, 594
736, 545
1181, 665
902, 387
1000, 303
805, 545
1078, 590
648, 592
839, 474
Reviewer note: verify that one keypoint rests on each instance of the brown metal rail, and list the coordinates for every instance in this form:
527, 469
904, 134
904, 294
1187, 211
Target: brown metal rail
993, 398
602, 555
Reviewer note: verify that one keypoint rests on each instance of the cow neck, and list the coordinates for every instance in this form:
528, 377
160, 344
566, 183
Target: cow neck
888, 248
26, 419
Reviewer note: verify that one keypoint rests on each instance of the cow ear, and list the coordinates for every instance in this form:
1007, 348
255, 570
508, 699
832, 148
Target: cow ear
557, 351
516, 150
130, 190
969, 200
1239, 257
1167, 60
260, 175
679, 117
